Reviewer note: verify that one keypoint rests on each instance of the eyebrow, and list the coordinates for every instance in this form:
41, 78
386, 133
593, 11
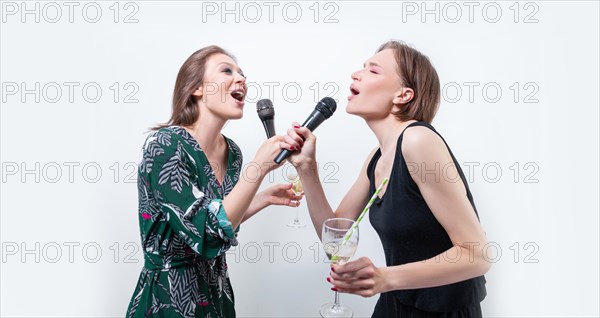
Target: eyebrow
372, 64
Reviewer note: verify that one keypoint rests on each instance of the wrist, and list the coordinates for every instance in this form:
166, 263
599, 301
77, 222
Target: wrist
266, 168
389, 280
261, 201
307, 168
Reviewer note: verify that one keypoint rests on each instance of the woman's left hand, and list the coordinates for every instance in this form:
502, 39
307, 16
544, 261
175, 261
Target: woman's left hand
281, 194
358, 277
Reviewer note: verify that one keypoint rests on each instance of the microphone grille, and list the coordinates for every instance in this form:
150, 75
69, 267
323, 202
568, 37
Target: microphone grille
265, 109
327, 106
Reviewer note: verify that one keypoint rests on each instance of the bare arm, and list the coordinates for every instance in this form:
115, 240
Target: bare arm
450, 206
318, 205
237, 202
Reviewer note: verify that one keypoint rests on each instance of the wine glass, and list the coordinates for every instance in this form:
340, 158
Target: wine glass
340, 240
294, 178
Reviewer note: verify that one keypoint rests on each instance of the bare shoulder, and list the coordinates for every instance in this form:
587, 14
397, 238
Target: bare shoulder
422, 145
420, 141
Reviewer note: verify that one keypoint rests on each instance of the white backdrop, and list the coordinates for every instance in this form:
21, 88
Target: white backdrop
82, 81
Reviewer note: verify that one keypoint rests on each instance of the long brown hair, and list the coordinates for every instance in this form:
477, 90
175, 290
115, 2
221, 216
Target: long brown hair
185, 112
416, 72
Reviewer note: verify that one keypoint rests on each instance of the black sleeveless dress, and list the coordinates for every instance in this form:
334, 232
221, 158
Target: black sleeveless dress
409, 233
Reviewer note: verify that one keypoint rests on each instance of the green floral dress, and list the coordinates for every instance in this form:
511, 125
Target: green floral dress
184, 229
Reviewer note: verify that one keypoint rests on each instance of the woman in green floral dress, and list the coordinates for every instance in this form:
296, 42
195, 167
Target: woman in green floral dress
193, 194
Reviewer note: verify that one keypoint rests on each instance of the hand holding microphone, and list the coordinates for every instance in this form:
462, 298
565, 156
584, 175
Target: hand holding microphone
323, 110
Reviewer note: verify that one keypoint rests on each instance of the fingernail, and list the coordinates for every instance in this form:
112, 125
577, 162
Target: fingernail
329, 279
332, 269
334, 289
296, 126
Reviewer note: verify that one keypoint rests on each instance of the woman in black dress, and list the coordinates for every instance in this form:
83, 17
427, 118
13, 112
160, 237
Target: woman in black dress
425, 216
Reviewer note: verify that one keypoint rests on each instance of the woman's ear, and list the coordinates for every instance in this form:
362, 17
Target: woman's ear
403, 96
198, 92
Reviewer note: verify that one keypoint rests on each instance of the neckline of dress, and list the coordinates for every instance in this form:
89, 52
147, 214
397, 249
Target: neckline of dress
381, 196
212, 172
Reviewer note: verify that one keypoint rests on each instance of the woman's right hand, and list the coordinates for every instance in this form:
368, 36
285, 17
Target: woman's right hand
266, 153
303, 143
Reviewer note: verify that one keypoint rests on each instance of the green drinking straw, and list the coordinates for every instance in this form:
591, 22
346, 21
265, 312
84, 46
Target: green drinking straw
360, 217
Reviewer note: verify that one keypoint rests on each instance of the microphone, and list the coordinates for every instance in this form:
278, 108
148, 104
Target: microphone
266, 113
324, 109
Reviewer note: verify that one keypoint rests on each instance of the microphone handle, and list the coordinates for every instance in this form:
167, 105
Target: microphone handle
314, 120
269, 127
282, 155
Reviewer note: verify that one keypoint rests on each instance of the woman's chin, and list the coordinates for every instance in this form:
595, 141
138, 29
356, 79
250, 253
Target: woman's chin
349, 109
237, 115
352, 110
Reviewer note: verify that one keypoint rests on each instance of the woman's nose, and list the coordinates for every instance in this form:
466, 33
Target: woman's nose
239, 78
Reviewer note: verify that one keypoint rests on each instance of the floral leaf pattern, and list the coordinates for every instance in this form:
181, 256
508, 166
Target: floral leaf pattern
174, 171
184, 291
187, 137
163, 138
184, 230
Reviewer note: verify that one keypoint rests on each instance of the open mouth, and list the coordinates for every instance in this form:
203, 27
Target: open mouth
238, 95
354, 91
